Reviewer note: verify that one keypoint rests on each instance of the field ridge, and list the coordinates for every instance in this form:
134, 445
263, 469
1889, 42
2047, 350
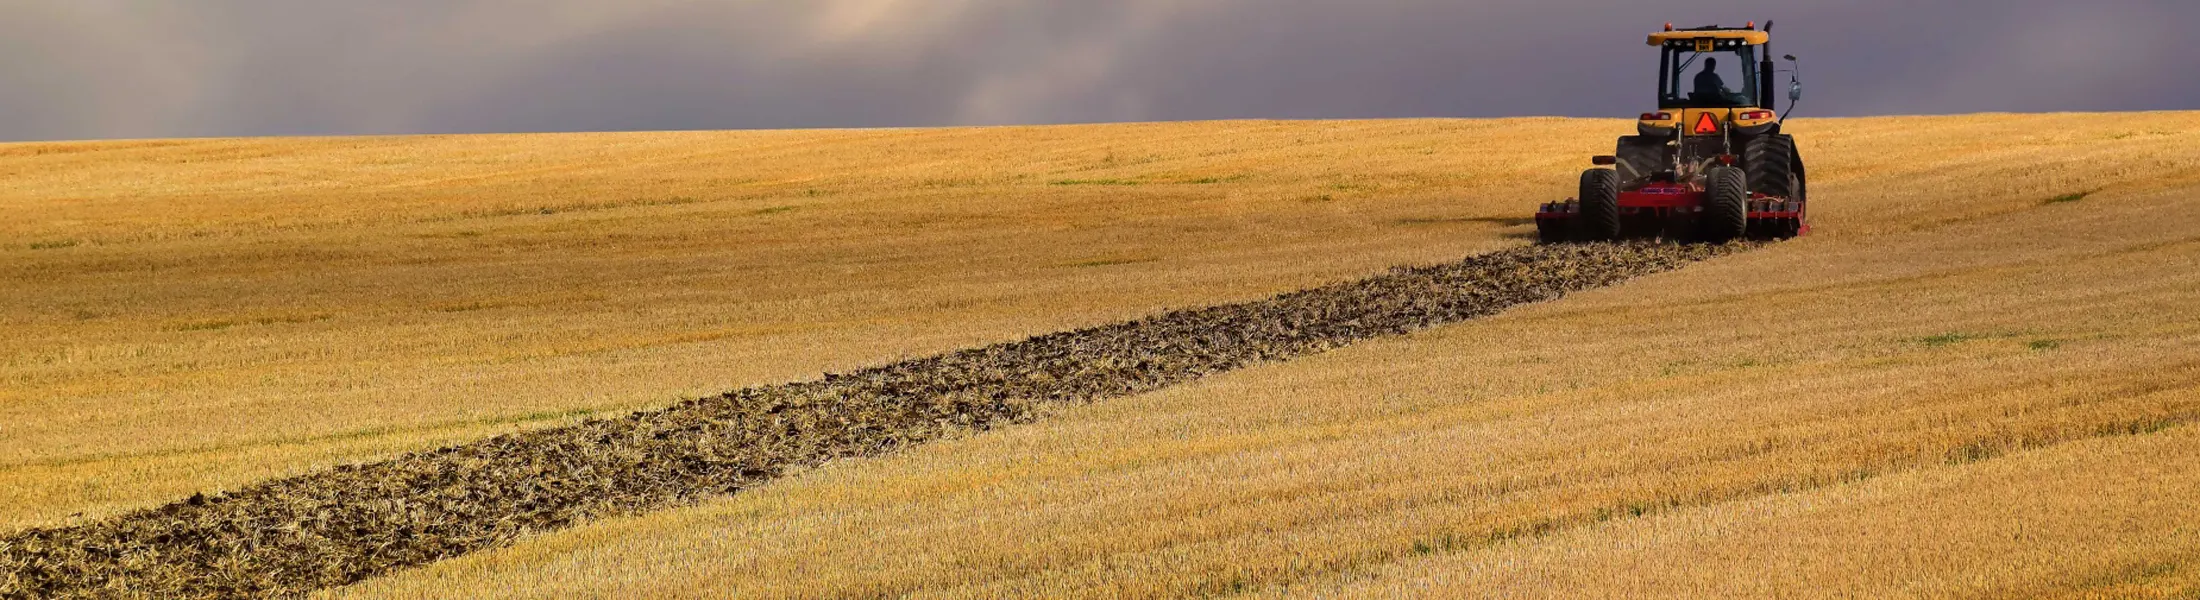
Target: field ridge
295, 535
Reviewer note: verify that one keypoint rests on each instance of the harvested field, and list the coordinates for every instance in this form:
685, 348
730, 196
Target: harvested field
206, 315
1755, 398
324, 529
199, 315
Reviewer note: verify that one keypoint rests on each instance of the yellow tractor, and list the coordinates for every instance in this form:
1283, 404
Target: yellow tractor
1711, 164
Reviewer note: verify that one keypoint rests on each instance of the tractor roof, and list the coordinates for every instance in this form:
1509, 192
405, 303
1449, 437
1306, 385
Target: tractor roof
1747, 36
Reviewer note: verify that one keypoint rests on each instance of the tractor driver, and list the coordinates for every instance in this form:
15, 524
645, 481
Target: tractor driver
1708, 83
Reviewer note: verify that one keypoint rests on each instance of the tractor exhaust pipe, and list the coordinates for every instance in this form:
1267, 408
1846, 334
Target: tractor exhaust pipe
1765, 74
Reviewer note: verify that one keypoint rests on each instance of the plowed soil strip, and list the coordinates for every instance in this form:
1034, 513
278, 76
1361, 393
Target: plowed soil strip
291, 536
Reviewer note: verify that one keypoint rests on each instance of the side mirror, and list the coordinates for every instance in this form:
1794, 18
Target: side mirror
1795, 80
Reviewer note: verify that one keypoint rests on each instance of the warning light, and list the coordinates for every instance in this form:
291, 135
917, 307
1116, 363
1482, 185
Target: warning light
1668, 25
1752, 25
1706, 125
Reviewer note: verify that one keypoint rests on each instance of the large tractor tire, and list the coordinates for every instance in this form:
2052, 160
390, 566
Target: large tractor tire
1725, 207
1774, 167
1640, 157
1599, 217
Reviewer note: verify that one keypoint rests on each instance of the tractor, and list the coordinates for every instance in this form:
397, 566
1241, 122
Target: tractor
1710, 165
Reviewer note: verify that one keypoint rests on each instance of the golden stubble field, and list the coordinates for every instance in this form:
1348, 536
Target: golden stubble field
211, 313
193, 315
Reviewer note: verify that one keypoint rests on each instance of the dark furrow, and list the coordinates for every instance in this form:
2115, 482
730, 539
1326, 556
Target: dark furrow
291, 536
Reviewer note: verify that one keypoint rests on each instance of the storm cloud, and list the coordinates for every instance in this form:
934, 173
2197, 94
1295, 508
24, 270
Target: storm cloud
75, 69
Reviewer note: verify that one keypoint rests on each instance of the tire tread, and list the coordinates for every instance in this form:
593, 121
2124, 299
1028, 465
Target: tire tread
1599, 216
1726, 206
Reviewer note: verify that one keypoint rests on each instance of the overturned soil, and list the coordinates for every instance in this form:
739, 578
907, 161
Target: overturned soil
324, 529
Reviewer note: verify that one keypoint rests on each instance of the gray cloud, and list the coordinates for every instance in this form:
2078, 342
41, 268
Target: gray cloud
153, 68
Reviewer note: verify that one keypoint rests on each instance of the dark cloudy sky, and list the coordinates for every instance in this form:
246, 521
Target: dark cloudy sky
72, 69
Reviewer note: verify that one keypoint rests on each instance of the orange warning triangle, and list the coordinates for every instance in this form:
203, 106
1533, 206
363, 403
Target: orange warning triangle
1707, 125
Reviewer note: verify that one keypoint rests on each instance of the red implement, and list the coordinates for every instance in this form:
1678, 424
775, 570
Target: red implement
1668, 210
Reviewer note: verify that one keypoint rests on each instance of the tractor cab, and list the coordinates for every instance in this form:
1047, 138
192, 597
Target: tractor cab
1723, 74
1710, 70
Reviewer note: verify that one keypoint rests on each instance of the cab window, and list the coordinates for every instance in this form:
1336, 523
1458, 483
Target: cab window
1725, 76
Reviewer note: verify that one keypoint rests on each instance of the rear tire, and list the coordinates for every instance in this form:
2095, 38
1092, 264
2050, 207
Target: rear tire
1599, 217
1726, 206
1771, 160
1776, 169
1641, 157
